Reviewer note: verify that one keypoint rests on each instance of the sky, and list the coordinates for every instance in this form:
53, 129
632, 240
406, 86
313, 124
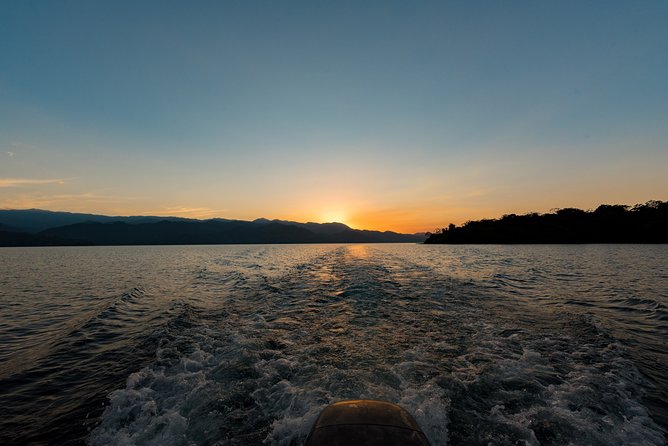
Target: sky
390, 115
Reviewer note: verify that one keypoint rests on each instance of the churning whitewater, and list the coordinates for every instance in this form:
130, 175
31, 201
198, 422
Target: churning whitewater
241, 345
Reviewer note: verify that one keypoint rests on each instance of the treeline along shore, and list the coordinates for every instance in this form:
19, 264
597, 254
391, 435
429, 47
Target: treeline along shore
642, 223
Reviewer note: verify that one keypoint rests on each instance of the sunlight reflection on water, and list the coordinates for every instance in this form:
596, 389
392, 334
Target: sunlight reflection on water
245, 344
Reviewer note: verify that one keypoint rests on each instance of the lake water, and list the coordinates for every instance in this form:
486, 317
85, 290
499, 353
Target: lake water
236, 345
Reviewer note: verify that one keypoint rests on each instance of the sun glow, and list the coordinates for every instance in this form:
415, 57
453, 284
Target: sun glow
333, 216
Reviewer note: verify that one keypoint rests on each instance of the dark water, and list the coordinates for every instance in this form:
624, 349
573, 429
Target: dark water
233, 345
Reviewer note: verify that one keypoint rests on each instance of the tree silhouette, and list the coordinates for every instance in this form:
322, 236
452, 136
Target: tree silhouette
642, 223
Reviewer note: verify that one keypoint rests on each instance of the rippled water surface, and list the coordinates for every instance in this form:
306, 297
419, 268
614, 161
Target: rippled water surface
236, 345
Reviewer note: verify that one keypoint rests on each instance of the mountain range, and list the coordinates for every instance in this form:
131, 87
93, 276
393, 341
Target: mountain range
35, 227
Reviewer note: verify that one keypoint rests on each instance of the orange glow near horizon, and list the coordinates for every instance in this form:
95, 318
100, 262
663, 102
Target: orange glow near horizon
333, 216
308, 121
407, 220
377, 212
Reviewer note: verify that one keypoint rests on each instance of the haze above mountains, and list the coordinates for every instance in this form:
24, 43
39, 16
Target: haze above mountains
35, 227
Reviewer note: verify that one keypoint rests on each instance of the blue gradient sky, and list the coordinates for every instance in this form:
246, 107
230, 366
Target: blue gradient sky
387, 115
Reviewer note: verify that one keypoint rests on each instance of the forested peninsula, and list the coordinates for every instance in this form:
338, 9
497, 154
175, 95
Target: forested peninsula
642, 223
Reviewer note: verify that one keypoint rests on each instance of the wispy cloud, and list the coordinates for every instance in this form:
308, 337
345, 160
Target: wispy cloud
18, 182
11, 154
77, 202
191, 212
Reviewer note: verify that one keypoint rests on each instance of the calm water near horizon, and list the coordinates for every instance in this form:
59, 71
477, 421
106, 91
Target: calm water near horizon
236, 345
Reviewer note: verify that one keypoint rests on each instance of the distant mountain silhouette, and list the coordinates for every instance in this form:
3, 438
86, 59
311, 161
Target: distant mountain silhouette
9, 238
89, 229
642, 223
318, 228
36, 220
8, 228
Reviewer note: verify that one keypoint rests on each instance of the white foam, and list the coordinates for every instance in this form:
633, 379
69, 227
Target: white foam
264, 370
